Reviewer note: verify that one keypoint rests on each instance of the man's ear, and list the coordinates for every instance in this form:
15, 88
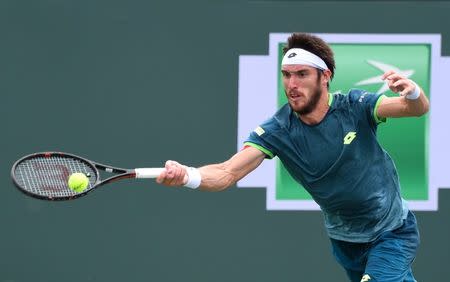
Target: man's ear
326, 74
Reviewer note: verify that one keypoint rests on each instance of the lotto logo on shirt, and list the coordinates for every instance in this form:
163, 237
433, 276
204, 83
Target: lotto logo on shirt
349, 137
416, 144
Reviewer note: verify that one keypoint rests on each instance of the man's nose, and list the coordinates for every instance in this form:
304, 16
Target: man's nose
292, 82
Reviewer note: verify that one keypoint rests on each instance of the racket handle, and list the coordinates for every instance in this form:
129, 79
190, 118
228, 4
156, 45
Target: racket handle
148, 172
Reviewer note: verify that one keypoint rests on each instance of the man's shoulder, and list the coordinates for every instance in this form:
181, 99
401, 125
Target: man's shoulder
352, 96
355, 97
282, 118
278, 121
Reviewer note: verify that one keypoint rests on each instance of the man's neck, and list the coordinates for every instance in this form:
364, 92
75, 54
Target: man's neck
318, 114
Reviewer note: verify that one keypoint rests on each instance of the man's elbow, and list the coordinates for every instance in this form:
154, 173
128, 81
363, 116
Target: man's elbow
424, 109
418, 111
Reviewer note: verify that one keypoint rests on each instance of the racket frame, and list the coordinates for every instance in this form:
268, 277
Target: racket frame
120, 173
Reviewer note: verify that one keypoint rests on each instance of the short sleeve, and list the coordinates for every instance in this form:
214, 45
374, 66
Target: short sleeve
369, 103
259, 138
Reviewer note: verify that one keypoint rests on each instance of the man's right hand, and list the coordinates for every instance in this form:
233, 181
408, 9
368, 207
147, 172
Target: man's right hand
175, 174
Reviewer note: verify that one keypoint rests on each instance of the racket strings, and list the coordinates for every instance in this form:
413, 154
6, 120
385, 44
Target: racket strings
48, 176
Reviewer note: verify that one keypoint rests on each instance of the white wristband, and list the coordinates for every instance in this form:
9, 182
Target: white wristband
415, 94
194, 178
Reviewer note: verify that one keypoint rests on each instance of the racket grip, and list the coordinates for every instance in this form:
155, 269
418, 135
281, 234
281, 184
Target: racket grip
148, 172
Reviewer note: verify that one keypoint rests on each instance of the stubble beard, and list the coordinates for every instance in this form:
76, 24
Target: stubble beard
312, 103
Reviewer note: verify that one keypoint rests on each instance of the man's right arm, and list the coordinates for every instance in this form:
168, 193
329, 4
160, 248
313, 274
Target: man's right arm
215, 177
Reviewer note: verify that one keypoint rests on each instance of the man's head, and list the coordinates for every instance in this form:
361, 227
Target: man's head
307, 67
314, 45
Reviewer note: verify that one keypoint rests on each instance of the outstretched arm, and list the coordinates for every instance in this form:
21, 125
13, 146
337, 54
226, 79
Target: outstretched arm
405, 105
214, 177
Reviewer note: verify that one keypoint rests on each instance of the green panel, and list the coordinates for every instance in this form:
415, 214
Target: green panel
405, 138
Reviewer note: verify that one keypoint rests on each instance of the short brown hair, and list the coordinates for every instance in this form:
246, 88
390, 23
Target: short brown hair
313, 44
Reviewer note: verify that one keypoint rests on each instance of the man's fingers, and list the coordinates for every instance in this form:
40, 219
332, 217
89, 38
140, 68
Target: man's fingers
178, 174
407, 90
386, 74
391, 86
161, 177
398, 83
165, 179
173, 175
401, 82
394, 77
404, 86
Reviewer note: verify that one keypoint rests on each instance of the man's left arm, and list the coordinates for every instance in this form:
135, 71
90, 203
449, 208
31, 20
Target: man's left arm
412, 100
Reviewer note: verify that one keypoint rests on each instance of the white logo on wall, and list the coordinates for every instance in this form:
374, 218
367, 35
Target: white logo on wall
383, 67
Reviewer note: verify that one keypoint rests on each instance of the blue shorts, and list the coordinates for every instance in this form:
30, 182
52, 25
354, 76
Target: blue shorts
387, 259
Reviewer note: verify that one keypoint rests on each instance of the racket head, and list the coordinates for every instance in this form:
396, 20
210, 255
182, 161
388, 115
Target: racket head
45, 175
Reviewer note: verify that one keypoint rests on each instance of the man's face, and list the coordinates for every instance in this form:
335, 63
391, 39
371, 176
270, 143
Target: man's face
302, 85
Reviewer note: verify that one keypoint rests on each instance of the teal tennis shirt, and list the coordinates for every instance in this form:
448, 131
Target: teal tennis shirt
340, 163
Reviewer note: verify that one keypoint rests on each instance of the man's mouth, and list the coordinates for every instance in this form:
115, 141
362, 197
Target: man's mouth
295, 96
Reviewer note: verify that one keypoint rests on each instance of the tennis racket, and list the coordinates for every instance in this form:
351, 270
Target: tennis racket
45, 175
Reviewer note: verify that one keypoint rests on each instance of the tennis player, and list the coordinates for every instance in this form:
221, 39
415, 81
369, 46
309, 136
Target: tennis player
328, 143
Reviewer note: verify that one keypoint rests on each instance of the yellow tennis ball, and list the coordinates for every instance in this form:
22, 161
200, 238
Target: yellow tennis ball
78, 182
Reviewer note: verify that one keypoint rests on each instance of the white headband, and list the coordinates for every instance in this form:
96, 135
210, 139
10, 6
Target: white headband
297, 56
